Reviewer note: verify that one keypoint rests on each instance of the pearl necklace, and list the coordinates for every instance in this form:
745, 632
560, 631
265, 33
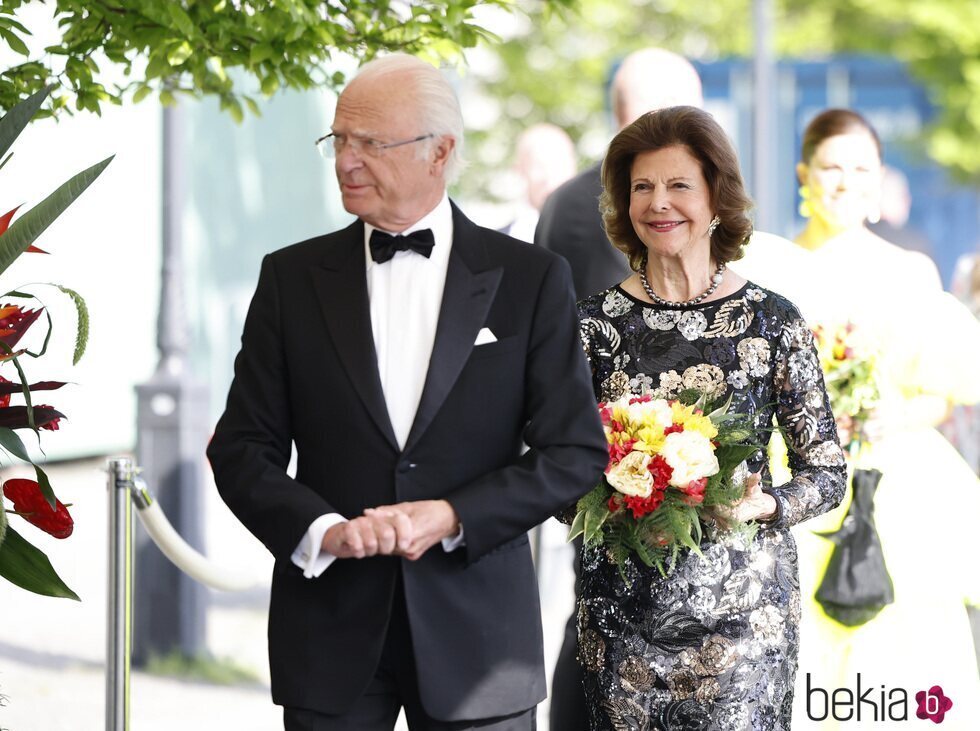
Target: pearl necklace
715, 281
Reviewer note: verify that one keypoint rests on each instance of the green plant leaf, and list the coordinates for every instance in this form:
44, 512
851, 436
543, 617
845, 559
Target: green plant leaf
81, 333
16, 119
27, 567
45, 485
13, 443
182, 19
3, 521
25, 230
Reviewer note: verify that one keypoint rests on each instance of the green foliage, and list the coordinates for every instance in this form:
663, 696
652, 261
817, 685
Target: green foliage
27, 567
190, 46
81, 333
25, 230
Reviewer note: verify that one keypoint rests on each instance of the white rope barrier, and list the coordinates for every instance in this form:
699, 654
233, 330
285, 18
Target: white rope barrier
185, 557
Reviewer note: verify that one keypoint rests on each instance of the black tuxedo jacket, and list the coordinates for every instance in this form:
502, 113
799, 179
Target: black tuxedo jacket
307, 373
570, 225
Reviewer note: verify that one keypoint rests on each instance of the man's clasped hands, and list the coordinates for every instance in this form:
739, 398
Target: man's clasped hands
406, 529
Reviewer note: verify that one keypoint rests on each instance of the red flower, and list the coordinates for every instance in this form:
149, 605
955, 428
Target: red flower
661, 471
30, 503
617, 451
673, 429
49, 425
605, 413
643, 505
694, 492
14, 322
5, 398
641, 399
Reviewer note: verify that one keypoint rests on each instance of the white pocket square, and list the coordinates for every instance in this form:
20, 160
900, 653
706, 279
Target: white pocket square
484, 337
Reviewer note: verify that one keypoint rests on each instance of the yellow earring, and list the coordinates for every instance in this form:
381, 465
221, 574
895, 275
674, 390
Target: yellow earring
806, 208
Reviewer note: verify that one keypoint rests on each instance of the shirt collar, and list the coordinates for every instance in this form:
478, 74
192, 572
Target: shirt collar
439, 220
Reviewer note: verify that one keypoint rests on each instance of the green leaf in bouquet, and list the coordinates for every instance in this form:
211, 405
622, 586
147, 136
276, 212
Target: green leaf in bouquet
718, 414
3, 522
641, 549
731, 456
594, 520
577, 527
680, 524
26, 229
690, 396
27, 567
596, 498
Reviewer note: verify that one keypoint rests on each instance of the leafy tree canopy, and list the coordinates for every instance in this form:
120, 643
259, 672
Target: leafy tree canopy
190, 46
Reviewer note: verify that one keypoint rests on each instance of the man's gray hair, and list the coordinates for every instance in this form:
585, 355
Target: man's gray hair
437, 103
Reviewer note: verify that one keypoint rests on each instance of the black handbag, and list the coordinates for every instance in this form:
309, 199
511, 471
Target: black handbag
856, 585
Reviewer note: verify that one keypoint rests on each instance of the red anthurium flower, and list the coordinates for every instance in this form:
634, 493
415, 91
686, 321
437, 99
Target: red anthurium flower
31, 505
14, 322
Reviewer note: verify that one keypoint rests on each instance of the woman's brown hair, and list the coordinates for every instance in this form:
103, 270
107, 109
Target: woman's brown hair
698, 132
833, 122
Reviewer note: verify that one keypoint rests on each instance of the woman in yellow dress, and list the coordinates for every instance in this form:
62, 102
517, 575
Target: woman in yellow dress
927, 504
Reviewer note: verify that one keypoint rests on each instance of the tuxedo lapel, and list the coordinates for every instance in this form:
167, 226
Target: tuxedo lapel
341, 286
468, 294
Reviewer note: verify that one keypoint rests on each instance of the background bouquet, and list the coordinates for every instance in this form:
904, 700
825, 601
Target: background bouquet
670, 462
849, 366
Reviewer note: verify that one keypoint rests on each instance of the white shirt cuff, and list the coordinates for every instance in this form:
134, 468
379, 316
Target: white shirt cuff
309, 555
453, 542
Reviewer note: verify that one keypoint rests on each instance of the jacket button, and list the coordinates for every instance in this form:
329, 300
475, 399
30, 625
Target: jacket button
404, 467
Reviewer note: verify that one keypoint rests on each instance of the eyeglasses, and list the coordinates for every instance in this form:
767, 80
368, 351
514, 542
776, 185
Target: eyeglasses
330, 145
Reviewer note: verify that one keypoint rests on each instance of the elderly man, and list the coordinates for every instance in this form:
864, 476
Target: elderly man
407, 357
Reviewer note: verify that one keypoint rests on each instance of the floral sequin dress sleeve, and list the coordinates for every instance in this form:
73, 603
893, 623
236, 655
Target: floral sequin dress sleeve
816, 459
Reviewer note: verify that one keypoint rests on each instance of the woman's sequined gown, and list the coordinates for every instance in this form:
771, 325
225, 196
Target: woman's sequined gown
713, 645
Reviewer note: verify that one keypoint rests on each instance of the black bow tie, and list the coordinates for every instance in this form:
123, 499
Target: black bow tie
384, 246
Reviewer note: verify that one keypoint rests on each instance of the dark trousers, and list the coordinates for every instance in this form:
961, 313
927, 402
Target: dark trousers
395, 686
568, 709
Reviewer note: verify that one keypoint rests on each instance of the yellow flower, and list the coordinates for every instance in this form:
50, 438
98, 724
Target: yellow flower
686, 417
650, 439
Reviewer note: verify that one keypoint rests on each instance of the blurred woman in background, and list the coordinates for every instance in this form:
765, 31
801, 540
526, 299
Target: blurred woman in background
928, 348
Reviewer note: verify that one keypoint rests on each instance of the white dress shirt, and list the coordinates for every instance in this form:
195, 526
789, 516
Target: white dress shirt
405, 295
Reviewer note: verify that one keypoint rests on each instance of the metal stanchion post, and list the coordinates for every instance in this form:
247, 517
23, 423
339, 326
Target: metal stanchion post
119, 630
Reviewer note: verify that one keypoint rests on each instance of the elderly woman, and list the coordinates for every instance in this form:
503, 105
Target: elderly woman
713, 645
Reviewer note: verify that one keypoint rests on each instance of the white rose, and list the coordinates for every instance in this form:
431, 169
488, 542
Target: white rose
631, 476
657, 408
690, 455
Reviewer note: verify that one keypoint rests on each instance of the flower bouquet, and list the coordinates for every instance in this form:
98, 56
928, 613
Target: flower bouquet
670, 463
850, 372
